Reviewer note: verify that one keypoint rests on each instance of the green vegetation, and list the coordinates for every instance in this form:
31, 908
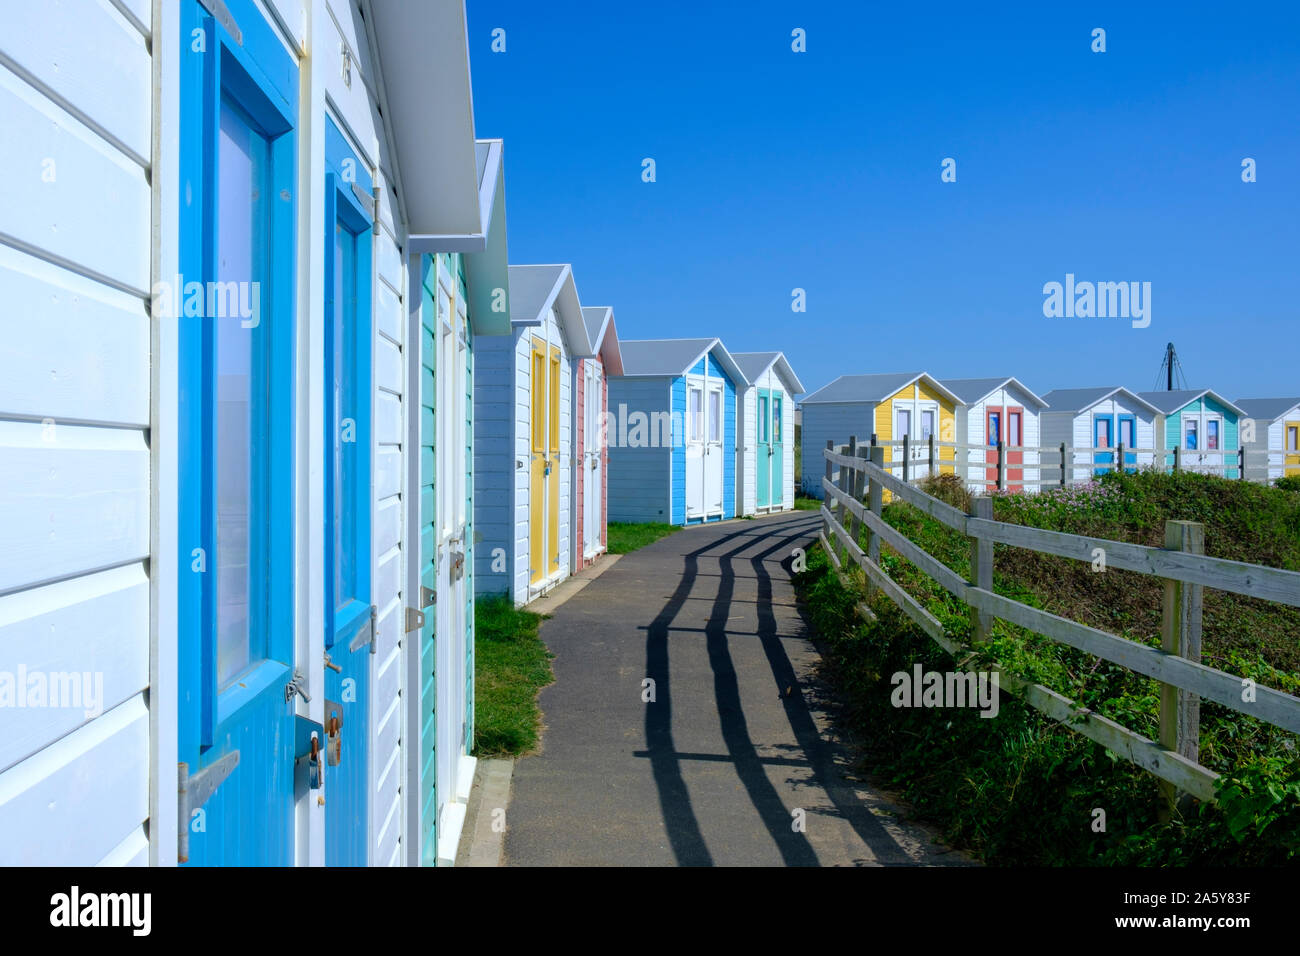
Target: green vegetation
511, 665
625, 536
1288, 483
1022, 789
805, 502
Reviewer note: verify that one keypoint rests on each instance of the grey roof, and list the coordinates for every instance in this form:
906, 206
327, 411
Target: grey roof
1267, 409
754, 364
1170, 401
1075, 400
971, 390
593, 316
674, 357
532, 290
869, 388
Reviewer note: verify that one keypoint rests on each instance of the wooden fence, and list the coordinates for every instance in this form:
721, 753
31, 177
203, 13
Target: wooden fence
856, 478
1056, 464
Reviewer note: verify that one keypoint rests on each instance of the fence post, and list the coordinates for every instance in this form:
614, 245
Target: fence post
847, 479
934, 461
1178, 459
875, 504
1180, 634
907, 457
1062, 464
1119, 458
1241, 468
855, 489
981, 569
1002, 465
826, 525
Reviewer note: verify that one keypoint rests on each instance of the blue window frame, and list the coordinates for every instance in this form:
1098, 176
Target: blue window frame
236, 367
348, 426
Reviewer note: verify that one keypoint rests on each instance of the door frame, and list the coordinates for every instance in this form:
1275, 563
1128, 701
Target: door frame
242, 72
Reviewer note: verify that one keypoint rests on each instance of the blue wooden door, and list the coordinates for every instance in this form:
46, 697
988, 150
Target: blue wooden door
1126, 430
237, 709
1103, 438
763, 464
349, 628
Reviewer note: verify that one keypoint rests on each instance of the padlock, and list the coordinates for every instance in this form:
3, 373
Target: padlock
333, 733
315, 771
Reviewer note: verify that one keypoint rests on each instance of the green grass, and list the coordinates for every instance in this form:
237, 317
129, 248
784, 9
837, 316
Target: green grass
981, 780
511, 665
803, 502
625, 536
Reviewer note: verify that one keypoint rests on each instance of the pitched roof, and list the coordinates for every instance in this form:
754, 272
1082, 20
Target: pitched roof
971, 390
534, 289
1075, 400
870, 388
674, 357
602, 336
754, 364
1171, 401
1267, 409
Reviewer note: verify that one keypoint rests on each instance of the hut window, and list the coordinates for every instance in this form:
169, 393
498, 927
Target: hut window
348, 335
927, 424
715, 415
1212, 434
762, 419
904, 426
1292, 437
1191, 431
1102, 436
776, 418
696, 409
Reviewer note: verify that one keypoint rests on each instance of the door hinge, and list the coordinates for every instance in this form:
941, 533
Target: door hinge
361, 637
194, 791
376, 226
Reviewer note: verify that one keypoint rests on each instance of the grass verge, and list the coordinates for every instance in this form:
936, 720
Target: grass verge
625, 536
511, 665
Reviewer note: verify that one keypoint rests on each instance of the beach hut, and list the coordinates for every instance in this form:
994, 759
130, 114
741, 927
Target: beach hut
996, 410
1270, 433
221, 368
1093, 421
523, 436
890, 406
672, 432
1203, 426
765, 410
591, 453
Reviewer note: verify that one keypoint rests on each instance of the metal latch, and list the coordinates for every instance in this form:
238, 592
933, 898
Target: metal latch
309, 756
457, 565
194, 791
428, 596
295, 686
333, 733
414, 619
375, 225
361, 637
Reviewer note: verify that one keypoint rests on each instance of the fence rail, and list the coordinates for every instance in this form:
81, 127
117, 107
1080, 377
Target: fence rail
855, 480
1062, 461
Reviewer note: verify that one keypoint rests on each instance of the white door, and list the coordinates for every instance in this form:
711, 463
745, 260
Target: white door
695, 445
713, 456
917, 420
450, 608
1203, 441
592, 517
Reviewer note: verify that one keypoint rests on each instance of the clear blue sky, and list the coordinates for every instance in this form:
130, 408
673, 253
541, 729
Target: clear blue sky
821, 170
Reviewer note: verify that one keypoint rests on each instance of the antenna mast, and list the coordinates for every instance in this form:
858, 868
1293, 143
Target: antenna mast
1171, 370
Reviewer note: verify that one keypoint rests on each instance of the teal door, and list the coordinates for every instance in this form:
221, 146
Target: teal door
763, 458
238, 730
349, 630
428, 559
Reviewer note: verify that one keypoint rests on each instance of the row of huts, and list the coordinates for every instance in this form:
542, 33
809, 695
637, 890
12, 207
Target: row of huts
275, 406
1198, 429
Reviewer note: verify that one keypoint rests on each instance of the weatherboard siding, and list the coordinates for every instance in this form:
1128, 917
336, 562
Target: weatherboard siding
75, 269
638, 482
835, 423
496, 450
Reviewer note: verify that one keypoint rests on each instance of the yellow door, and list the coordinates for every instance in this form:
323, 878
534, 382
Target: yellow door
553, 471
537, 465
1291, 442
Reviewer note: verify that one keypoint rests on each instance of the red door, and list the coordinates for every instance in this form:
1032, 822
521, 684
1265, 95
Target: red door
1015, 436
1006, 423
992, 432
